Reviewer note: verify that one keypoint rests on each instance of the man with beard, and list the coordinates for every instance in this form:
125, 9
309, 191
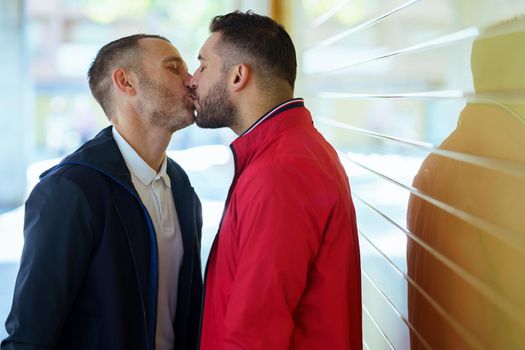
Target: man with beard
111, 255
284, 269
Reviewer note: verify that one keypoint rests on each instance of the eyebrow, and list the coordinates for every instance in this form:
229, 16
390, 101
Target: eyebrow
200, 58
176, 59
171, 59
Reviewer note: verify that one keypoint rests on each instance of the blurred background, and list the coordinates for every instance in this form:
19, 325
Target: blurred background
423, 99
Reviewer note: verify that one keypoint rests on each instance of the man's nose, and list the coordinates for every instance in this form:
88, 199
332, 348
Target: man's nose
193, 82
188, 80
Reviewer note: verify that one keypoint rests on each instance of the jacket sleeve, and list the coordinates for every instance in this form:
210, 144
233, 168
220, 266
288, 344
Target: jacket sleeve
278, 238
58, 238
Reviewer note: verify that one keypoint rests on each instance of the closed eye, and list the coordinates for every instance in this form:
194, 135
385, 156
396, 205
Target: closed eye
202, 69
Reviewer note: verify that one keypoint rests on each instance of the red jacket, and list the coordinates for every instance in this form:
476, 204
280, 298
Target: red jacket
284, 269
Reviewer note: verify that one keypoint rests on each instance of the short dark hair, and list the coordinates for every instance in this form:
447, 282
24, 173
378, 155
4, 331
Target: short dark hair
123, 53
263, 40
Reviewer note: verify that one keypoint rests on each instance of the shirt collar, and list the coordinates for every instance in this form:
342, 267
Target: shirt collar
136, 165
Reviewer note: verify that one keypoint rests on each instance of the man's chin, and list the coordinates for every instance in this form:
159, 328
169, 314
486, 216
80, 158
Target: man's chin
183, 123
205, 124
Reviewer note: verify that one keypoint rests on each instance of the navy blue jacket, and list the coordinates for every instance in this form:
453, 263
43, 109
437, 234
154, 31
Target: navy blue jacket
89, 269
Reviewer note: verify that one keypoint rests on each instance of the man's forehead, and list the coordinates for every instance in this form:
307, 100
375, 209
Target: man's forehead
159, 46
209, 46
163, 49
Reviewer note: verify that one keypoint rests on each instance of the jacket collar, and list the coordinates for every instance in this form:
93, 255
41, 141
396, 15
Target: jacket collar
288, 114
283, 106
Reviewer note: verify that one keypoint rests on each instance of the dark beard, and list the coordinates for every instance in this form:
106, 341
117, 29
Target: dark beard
217, 110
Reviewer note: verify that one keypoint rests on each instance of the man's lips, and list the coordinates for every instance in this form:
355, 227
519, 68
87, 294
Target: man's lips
194, 99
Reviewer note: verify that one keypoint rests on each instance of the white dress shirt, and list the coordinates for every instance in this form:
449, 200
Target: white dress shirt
154, 190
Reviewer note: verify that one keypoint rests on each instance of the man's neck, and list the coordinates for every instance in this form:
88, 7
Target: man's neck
150, 143
253, 110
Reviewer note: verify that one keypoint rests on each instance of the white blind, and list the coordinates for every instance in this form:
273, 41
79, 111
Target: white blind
425, 102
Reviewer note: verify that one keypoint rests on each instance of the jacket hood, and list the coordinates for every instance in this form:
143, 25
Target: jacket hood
100, 153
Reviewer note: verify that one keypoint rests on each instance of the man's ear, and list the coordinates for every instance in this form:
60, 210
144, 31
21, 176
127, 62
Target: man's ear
239, 76
124, 81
